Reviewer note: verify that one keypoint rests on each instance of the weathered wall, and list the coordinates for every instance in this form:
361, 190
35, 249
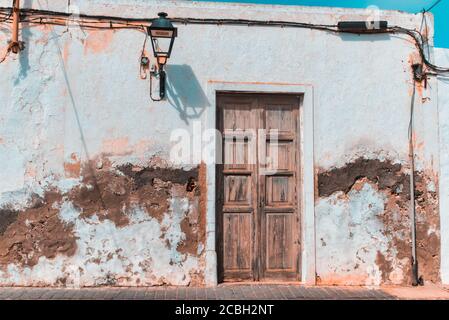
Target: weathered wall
442, 58
89, 195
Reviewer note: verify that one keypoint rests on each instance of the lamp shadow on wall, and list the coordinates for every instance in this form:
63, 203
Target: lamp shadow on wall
22, 55
184, 92
24, 60
74, 107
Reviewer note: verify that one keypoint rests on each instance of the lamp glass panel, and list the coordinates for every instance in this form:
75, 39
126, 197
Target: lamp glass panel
161, 46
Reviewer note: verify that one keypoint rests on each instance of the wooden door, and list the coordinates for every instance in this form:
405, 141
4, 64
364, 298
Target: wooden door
257, 188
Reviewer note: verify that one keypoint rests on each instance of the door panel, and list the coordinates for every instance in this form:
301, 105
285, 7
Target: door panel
278, 191
279, 255
257, 209
237, 244
237, 190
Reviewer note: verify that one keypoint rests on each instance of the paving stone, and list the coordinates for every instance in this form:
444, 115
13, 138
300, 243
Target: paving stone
324, 294
295, 292
226, 293
30, 294
276, 294
171, 294
191, 293
149, 294
15, 294
211, 294
248, 292
343, 294
332, 294
201, 293
238, 293
257, 294
49, 294
159, 294
181, 294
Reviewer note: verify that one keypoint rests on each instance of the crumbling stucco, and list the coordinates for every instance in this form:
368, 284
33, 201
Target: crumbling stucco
36, 232
122, 225
364, 228
428, 234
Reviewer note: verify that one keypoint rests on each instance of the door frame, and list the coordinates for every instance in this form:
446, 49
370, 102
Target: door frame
307, 172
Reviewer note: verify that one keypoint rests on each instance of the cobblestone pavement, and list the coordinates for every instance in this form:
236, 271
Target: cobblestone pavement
222, 292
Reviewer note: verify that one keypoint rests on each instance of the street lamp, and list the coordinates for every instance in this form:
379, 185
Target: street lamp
163, 36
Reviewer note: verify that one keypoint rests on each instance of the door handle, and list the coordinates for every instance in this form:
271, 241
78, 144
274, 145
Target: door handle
261, 201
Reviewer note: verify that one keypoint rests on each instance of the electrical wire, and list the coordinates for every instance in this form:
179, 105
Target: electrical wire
10, 12
419, 40
34, 16
426, 31
433, 6
143, 64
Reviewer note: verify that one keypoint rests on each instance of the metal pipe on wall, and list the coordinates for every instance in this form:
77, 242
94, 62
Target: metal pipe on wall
415, 272
416, 279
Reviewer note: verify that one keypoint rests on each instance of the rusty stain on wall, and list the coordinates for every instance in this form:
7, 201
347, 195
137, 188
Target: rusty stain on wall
72, 168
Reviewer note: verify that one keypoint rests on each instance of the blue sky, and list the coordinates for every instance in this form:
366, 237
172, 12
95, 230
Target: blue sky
441, 11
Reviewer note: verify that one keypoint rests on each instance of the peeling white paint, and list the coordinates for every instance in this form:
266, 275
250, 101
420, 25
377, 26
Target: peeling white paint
349, 235
13, 168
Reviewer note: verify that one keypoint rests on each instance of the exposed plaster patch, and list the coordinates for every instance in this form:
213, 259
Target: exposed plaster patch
117, 146
146, 175
36, 232
427, 227
98, 41
384, 173
7, 217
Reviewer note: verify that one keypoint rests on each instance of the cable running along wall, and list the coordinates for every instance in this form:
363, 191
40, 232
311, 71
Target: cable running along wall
33, 16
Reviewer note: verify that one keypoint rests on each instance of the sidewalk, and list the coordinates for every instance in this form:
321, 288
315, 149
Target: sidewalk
429, 292
228, 292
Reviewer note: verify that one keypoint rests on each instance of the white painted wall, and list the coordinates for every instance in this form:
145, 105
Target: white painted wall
79, 92
442, 59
